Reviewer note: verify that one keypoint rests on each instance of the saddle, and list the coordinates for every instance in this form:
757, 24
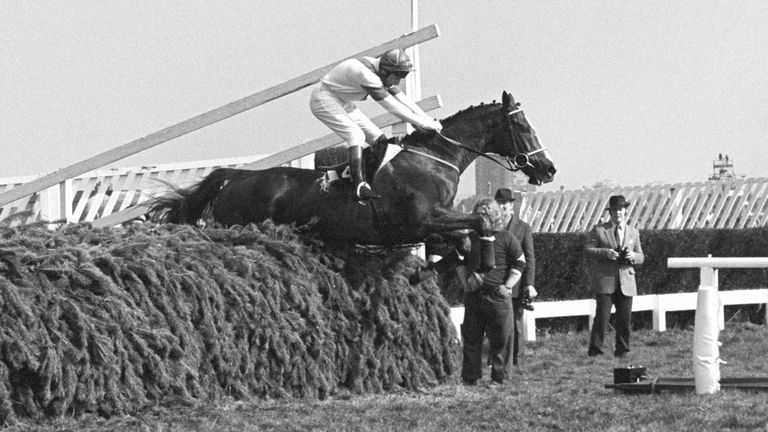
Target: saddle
334, 162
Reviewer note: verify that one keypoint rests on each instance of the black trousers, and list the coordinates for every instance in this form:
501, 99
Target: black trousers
623, 322
486, 315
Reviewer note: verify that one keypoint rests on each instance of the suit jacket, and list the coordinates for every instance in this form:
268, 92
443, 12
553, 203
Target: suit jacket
606, 274
524, 234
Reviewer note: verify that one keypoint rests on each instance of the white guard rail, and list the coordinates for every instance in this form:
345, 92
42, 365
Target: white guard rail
659, 304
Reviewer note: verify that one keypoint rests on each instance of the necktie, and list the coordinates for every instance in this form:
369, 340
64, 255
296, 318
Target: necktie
619, 235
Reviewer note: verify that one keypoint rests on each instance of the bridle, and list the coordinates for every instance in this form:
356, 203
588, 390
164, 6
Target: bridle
520, 160
516, 162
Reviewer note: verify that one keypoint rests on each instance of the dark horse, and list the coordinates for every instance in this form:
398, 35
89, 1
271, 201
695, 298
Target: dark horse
417, 186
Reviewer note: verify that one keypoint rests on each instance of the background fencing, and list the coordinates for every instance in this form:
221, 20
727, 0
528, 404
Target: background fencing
711, 204
738, 203
99, 193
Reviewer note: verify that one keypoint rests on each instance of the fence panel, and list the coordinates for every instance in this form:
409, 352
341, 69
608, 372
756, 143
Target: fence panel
90, 196
724, 204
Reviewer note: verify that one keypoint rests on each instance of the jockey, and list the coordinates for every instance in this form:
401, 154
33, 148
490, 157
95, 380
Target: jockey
332, 102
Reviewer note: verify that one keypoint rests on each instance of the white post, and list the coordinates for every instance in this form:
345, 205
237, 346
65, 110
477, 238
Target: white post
529, 325
50, 204
67, 195
706, 352
413, 80
457, 316
412, 85
659, 315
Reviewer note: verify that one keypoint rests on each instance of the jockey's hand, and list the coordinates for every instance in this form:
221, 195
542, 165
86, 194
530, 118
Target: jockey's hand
431, 125
532, 291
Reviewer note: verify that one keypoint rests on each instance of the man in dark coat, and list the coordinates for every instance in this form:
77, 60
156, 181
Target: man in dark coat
522, 231
488, 299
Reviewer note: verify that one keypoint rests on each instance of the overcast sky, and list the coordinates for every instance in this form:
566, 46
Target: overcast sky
631, 92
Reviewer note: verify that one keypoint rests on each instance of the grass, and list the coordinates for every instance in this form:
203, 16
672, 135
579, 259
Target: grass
557, 388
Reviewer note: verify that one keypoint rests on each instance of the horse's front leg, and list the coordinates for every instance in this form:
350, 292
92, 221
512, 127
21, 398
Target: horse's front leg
442, 221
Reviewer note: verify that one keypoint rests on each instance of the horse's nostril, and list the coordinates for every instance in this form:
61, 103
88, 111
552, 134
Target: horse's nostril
551, 170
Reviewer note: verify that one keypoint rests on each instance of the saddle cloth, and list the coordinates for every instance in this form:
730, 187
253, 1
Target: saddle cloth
334, 160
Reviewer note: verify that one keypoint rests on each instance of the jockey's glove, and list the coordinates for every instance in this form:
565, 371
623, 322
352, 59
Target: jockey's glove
431, 125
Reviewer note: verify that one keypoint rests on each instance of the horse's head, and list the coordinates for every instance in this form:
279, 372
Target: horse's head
518, 143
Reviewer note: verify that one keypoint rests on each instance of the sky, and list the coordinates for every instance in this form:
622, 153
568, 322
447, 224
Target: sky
623, 92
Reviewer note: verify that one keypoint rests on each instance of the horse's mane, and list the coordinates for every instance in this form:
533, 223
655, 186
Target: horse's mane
464, 116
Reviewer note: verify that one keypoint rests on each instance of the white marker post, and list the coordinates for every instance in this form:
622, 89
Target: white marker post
706, 349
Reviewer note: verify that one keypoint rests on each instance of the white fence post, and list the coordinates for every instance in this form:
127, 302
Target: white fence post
710, 316
50, 203
659, 315
706, 350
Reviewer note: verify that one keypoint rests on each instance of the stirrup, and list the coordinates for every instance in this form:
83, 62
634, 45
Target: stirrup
364, 191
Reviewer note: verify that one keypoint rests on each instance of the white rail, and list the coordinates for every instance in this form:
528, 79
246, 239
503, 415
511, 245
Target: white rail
659, 304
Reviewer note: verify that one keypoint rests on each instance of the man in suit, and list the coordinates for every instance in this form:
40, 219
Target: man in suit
522, 231
612, 250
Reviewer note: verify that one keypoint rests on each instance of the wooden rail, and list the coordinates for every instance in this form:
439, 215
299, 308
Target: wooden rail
117, 194
205, 119
280, 158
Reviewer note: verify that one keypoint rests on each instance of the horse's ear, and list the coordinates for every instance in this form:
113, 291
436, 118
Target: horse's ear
507, 101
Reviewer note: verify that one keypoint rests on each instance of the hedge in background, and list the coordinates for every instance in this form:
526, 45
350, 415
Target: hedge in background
113, 320
561, 272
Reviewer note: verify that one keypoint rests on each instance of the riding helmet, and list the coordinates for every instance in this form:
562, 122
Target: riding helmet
396, 60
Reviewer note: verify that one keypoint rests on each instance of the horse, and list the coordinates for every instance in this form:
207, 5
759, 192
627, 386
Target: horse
417, 186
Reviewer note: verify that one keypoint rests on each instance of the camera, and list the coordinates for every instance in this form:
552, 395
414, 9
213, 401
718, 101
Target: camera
525, 299
623, 255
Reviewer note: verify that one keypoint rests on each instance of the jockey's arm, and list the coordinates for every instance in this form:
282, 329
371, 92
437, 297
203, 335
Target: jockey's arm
408, 102
403, 112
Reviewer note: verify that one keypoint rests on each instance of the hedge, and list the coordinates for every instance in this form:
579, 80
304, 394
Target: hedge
561, 271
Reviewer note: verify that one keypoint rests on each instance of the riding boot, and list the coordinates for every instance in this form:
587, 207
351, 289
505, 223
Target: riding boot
384, 140
362, 189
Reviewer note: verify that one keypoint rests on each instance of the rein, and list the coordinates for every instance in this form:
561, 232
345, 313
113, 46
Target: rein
471, 150
516, 163
435, 157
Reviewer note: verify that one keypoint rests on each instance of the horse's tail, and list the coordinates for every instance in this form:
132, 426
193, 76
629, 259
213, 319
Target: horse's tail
186, 206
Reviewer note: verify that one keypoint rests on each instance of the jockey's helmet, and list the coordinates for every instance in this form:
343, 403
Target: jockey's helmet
396, 60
